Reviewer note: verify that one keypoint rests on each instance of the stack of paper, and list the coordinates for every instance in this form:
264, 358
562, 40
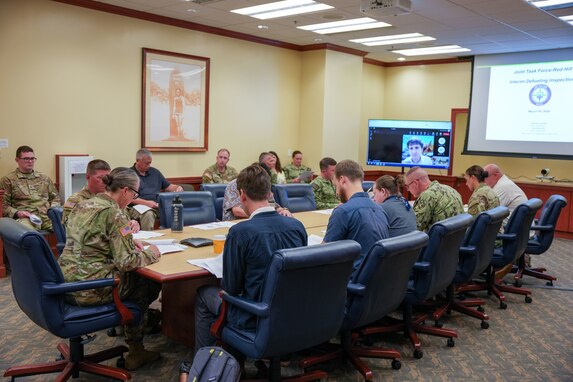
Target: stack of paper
142, 235
212, 264
166, 245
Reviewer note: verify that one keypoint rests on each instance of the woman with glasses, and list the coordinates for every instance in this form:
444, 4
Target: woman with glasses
401, 216
100, 245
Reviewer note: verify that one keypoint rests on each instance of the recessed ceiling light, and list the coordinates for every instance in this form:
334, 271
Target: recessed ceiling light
192, 10
432, 50
393, 39
401, 59
549, 3
317, 40
345, 26
262, 27
282, 9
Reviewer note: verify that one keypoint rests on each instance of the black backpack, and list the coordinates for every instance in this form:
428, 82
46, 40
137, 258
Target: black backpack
211, 364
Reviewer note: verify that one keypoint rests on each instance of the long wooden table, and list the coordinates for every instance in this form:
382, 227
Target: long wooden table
180, 280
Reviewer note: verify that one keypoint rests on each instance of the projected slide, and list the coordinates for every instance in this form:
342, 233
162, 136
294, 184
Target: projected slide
531, 102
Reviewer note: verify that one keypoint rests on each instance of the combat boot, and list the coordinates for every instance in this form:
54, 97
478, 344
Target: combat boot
138, 356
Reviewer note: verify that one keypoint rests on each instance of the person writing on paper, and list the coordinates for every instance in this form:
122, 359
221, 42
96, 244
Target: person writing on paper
415, 147
28, 194
151, 182
100, 245
324, 190
95, 172
294, 170
246, 254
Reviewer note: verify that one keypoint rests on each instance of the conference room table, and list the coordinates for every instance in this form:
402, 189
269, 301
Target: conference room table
179, 279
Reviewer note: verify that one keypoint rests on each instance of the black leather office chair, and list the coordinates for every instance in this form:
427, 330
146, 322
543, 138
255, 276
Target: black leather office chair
515, 238
301, 305
295, 197
55, 215
217, 190
375, 290
198, 207
476, 252
544, 229
39, 289
432, 274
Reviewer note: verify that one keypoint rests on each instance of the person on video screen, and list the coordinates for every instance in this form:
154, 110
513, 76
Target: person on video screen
415, 147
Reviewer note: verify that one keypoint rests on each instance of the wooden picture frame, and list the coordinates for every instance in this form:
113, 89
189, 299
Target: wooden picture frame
174, 101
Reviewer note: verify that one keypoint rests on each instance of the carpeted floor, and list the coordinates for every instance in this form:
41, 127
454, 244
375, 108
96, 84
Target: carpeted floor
526, 342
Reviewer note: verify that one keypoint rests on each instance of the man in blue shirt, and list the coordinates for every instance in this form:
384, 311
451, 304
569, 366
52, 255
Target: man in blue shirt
151, 182
248, 249
358, 218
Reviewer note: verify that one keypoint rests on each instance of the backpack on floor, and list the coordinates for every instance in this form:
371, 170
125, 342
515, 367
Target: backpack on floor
211, 364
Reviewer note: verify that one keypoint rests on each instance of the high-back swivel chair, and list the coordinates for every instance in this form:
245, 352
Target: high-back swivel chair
217, 190
55, 215
302, 303
295, 197
198, 207
39, 289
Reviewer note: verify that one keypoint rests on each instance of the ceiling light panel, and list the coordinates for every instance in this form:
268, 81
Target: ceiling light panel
406, 38
433, 50
345, 26
282, 9
549, 3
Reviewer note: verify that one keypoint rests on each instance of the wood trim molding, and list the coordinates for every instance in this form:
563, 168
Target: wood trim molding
333, 47
455, 60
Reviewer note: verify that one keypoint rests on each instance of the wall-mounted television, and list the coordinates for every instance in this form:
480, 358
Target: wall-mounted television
409, 143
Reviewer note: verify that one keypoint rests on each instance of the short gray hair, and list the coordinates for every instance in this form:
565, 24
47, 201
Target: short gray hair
142, 153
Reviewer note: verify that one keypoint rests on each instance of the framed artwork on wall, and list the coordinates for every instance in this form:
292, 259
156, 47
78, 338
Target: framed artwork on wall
175, 101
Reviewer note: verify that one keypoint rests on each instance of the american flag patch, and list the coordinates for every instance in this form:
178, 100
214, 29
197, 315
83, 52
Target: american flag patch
125, 230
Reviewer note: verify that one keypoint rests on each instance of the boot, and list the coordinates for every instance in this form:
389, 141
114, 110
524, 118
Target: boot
138, 356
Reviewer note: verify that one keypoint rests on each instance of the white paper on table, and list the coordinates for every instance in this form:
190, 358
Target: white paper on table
164, 249
315, 239
141, 208
214, 225
141, 235
213, 265
160, 242
324, 212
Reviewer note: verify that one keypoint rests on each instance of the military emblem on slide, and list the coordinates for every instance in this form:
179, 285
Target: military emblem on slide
539, 95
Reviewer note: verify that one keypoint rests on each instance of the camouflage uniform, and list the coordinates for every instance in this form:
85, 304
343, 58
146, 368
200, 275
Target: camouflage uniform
324, 193
483, 198
212, 174
293, 172
73, 200
33, 192
437, 203
100, 245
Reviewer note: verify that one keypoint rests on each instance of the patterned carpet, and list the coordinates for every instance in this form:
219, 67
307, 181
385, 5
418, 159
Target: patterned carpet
526, 342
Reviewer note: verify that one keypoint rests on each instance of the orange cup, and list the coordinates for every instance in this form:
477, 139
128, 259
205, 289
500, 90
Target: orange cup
218, 244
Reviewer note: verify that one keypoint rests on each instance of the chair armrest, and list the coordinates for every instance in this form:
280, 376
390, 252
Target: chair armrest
51, 289
542, 227
507, 236
422, 266
356, 289
257, 308
468, 251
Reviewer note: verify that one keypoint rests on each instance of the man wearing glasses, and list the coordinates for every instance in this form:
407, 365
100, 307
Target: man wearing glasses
434, 201
29, 194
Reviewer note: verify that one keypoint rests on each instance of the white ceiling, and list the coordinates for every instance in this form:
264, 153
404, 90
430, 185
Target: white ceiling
484, 26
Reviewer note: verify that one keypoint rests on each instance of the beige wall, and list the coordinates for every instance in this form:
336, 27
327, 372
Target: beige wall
71, 83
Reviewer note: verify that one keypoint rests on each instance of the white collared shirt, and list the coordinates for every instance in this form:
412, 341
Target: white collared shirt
261, 210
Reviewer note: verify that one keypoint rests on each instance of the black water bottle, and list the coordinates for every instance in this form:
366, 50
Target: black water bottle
177, 215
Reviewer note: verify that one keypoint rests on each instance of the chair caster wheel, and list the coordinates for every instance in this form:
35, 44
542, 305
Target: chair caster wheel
484, 324
396, 365
480, 309
120, 362
451, 343
518, 283
111, 332
502, 305
528, 299
438, 324
418, 354
549, 283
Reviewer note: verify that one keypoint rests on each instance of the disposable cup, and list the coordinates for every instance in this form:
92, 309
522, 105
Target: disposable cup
218, 244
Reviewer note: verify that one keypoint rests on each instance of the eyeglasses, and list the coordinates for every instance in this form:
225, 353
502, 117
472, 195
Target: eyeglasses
28, 159
413, 180
135, 193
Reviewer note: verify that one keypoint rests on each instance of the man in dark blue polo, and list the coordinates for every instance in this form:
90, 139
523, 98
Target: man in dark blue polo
246, 256
151, 182
358, 218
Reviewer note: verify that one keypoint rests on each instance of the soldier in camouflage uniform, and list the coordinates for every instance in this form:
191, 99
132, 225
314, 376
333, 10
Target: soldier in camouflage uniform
483, 197
435, 201
100, 245
28, 192
324, 190
292, 171
220, 172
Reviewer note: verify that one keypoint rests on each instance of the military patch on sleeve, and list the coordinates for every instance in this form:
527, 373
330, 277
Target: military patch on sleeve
125, 230
69, 204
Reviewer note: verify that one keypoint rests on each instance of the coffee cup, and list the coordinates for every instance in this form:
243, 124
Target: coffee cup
218, 244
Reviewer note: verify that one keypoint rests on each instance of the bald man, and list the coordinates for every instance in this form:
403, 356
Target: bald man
434, 201
509, 194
